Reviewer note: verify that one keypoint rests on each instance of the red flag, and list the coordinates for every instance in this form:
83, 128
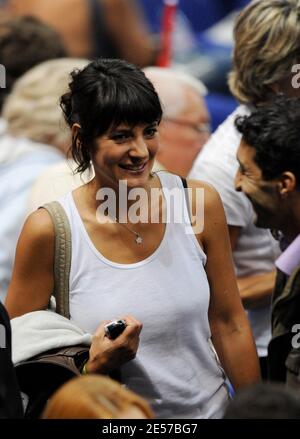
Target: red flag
168, 22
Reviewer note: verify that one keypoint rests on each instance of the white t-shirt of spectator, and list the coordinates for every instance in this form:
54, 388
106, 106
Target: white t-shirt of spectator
256, 250
21, 162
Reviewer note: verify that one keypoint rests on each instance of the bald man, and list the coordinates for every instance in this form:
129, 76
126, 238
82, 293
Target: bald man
185, 126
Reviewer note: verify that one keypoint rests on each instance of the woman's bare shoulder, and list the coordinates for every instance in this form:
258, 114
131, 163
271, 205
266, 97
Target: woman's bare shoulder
209, 194
39, 225
32, 279
200, 184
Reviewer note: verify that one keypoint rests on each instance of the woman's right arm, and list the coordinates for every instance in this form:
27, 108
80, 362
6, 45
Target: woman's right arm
32, 284
33, 278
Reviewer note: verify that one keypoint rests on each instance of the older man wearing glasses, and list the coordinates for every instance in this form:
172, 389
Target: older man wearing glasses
185, 126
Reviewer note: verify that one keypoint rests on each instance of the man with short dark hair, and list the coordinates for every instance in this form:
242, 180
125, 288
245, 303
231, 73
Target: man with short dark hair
24, 43
269, 175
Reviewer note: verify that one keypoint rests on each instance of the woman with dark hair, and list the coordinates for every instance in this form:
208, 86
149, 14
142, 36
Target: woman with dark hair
132, 258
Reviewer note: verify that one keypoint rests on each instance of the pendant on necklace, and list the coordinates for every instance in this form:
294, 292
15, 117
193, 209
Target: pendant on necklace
138, 239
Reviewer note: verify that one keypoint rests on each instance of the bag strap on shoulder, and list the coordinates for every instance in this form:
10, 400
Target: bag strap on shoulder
62, 258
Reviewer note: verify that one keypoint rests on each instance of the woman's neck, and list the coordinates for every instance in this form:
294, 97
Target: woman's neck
116, 197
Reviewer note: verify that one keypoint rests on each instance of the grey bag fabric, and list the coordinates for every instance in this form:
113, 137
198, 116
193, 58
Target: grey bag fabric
62, 261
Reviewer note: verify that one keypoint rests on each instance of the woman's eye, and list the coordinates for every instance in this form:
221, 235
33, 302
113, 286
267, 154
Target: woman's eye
120, 137
150, 132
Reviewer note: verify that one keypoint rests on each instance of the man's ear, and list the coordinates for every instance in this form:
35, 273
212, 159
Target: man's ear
287, 183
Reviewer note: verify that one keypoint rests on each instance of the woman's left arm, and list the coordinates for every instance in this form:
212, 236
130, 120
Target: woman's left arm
230, 329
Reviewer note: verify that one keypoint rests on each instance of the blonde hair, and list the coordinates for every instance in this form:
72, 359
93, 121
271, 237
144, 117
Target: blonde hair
32, 109
267, 44
93, 397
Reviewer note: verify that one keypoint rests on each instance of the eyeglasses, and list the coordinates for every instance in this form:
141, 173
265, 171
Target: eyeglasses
198, 128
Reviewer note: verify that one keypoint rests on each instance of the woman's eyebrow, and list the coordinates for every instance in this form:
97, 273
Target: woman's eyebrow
152, 124
119, 130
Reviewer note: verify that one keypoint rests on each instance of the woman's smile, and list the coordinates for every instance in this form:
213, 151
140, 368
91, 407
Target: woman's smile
135, 169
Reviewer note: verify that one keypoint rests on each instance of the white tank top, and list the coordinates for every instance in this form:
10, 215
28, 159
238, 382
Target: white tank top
176, 369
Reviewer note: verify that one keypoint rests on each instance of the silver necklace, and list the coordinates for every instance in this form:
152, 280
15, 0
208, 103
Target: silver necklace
138, 238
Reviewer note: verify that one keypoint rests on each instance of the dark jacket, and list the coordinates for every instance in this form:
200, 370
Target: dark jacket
284, 360
10, 399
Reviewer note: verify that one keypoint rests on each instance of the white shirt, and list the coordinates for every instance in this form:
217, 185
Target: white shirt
256, 250
21, 161
176, 368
